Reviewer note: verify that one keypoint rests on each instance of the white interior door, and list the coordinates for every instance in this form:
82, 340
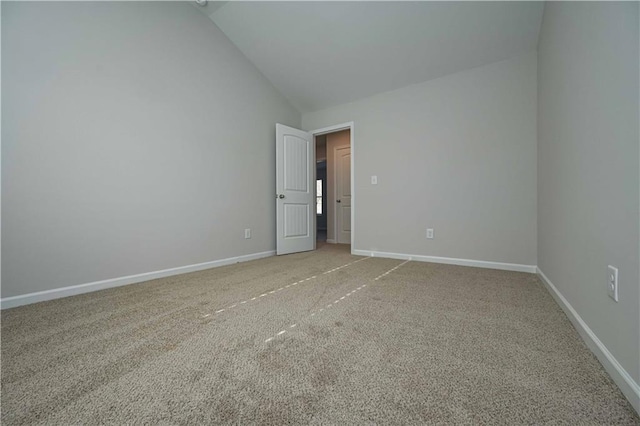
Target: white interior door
342, 157
295, 190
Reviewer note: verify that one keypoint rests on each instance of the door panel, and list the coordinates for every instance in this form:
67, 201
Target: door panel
296, 220
296, 171
345, 180
346, 219
295, 193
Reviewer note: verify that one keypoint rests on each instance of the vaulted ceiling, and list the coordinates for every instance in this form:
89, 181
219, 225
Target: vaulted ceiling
321, 54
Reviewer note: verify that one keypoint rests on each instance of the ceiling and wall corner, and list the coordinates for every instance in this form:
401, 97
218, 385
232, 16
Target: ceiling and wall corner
323, 54
209, 8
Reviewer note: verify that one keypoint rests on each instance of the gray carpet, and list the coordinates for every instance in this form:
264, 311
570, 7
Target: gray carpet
425, 343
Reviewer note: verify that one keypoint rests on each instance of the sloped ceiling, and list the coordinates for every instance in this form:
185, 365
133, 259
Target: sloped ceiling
321, 54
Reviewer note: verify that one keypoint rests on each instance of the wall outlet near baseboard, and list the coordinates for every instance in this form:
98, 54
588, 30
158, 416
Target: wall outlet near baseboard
247, 233
430, 233
612, 282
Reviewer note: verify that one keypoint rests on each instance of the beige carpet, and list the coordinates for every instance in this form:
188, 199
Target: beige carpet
425, 343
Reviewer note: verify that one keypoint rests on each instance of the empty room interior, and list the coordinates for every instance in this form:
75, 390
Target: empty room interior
320, 212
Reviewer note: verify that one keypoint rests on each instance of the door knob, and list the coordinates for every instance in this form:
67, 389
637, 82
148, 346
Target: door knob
281, 196
337, 201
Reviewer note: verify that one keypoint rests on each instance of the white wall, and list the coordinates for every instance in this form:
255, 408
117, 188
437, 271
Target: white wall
135, 137
588, 166
457, 154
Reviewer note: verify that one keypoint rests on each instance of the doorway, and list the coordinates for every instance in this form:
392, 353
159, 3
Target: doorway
321, 190
333, 174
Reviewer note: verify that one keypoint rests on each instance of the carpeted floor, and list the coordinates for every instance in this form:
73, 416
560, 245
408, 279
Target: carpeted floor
425, 343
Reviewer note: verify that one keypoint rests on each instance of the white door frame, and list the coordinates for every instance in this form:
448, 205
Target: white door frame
337, 128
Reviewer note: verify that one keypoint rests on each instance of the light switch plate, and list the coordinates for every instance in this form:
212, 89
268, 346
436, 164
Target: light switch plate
374, 180
612, 282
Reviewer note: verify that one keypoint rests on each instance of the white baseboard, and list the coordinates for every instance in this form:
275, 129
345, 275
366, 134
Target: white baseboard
620, 376
41, 296
450, 261
331, 241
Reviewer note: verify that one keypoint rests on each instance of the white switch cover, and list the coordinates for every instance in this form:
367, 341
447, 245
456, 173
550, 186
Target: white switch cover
612, 282
430, 233
374, 180
247, 233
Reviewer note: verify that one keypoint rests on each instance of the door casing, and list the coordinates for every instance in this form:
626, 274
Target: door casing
331, 129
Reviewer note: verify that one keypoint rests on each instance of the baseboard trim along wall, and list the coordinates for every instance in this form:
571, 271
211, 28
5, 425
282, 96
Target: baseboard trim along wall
450, 261
625, 382
41, 296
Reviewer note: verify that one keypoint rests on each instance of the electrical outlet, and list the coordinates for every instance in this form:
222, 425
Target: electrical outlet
430, 233
612, 282
374, 180
247, 233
